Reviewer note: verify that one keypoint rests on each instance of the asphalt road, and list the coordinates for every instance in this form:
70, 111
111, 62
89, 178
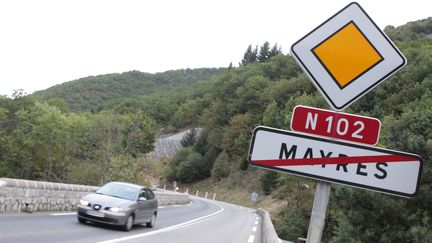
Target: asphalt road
202, 221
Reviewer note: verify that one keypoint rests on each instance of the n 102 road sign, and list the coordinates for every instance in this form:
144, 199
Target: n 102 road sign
344, 126
376, 169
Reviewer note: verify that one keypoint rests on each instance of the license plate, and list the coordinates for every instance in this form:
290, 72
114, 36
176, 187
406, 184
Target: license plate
96, 214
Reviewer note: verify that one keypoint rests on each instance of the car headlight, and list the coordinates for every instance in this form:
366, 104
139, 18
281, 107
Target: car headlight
116, 209
83, 202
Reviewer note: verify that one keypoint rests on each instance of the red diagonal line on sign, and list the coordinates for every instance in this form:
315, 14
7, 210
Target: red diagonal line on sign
336, 160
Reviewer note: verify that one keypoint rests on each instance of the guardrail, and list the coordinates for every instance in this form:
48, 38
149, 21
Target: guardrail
29, 196
269, 234
17, 183
171, 198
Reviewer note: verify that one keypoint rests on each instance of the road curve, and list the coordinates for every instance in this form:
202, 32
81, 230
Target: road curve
201, 221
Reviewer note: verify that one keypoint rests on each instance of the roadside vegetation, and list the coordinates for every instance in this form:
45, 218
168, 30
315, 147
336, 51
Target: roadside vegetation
49, 138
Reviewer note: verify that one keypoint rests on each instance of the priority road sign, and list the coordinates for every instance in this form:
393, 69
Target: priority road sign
339, 125
347, 56
372, 168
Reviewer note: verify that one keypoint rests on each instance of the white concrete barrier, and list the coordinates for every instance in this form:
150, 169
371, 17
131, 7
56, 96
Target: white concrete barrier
171, 198
269, 234
30, 196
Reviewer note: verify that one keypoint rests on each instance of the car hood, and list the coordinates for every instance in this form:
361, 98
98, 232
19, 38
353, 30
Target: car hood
107, 201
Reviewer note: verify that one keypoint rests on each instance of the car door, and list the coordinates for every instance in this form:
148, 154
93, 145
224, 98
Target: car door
143, 206
153, 203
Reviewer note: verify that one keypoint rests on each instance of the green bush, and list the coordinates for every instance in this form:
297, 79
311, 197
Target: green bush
294, 225
269, 181
221, 167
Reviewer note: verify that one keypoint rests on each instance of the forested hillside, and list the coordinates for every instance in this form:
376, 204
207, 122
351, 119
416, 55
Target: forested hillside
40, 142
43, 140
96, 93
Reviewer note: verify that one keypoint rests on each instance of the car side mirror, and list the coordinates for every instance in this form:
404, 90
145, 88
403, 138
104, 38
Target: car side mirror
140, 199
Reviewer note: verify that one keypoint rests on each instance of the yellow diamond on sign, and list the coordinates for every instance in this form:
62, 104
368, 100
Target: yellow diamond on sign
347, 54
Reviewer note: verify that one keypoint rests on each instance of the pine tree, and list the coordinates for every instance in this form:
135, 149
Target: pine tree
190, 138
276, 50
264, 53
250, 56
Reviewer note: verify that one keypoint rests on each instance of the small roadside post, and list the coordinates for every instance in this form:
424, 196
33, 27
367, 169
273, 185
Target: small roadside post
254, 196
175, 186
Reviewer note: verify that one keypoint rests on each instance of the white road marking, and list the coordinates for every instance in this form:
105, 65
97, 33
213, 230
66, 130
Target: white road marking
62, 214
256, 222
251, 239
254, 229
170, 228
257, 218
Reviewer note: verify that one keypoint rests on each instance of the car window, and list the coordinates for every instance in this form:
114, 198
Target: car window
143, 193
119, 190
150, 194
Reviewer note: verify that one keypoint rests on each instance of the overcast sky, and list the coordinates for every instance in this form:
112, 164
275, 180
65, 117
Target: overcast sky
44, 42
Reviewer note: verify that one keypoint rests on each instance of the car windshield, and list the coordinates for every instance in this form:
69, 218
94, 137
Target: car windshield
119, 190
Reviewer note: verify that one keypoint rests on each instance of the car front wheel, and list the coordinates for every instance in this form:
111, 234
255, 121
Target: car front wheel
81, 220
129, 223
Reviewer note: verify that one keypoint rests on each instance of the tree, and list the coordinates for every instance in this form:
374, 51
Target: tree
174, 163
276, 50
190, 138
191, 168
269, 181
264, 52
137, 133
48, 137
236, 137
128, 169
250, 56
59, 103
221, 167
250, 96
272, 116
187, 113
294, 224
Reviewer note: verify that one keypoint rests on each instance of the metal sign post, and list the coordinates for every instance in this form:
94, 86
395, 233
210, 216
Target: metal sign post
319, 209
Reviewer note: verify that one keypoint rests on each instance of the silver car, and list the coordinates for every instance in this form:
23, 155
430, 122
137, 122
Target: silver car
121, 204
